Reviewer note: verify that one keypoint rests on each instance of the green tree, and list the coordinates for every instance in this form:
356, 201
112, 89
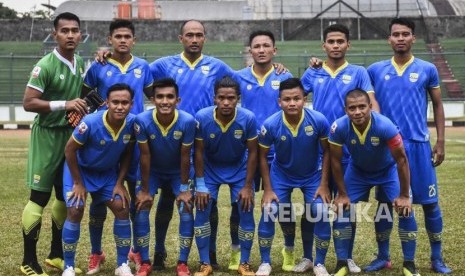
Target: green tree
7, 13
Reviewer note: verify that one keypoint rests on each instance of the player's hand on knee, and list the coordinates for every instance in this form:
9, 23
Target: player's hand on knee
78, 105
78, 194
121, 191
246, 199
268, 197
323, 192
403, 206
341, 203
184, 201
201, 200
144, 200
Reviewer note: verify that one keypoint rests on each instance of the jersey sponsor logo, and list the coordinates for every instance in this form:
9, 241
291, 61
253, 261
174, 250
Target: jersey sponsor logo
36, 178
413, 77
263, 130
353, 141
102, 142
152, 136
238, 133
177, 134
180, 71
249, 87
275, 84
308, 130
321, 80
283, 138
333, 127
212, 135
137, 73
36, 72
375, 141
137, 128
82, 128
205, 69
432, 190
346, 79
62, 77
387, 77
109, 73
126, 138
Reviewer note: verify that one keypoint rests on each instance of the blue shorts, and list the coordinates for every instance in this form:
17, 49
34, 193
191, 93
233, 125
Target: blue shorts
283, 186
157, 181
423, 179
99, 184
234, 189
358, 185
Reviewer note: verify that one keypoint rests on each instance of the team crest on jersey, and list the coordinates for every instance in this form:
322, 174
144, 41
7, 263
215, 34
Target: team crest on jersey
177, 134
413, 77
346, 79
263, 131
152, 136
387, 77
275, 84
82, 128
205, 69
126, 138
36, 178
137, 73
375, 141
137, 128
283, 138
353, 142
36, 72
212, 135
333, 127
109, 73
308, 130
249, 87
238, 133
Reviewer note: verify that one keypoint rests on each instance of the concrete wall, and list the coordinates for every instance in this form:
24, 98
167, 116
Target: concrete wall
374, 28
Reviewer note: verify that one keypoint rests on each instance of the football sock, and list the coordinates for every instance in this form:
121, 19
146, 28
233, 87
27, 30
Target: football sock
246, 233
234, 224
142, 234
433, 225
383, 229
408, 236
214, 225
97, 216
31, 223
266, 231
342, 235
322, 232
202, 232
163, 217
58, 219
307, 229
122, 235
352, 241
71, 232
186, 234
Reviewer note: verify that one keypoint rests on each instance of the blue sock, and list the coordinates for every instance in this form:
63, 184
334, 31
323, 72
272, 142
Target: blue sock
142, 234
234, 224
307, 228
383, 229
408, 236
213, 225
163, 217
352, 241
322, 232
122, 234
132, 218
97, 216
186, 234
433, 225
246, 233
288, 228
266, 232
71, 232
202, 232
342, 235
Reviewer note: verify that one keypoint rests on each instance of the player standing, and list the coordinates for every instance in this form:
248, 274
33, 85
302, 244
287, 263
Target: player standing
296, 134
54, 86
98, 156
392, 79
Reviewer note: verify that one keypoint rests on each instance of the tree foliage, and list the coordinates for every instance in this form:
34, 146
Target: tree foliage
7, 13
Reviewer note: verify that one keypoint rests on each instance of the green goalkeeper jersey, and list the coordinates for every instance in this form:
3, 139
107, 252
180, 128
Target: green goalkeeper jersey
58, 80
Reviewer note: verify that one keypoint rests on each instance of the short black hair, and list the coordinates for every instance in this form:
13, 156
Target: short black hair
166, 82
227, 82
187, 21
355, 93
119, 87
122, 23
261, 32
404, 22
66, 16
289, 84
336, 28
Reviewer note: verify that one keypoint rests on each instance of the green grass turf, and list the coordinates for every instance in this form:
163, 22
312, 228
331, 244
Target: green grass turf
14, 195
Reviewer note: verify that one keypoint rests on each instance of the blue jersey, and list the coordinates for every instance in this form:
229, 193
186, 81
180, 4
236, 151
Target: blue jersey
402, 94
369, 151
260, 95
296, 150
136, 74
165, 143
195, 80
101, 146
225, 147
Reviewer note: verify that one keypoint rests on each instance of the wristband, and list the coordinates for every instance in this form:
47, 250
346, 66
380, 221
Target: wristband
57, 105
184, 188
200, 185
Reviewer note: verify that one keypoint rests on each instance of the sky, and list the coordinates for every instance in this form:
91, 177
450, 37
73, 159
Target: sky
28, 5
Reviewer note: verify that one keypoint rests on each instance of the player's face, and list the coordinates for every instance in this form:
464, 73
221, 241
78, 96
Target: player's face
193, 37
122, 40
401, 39
165, 100
359, 110
336, 45
67, 34
292, 101
226, 101
119, 103
262, 49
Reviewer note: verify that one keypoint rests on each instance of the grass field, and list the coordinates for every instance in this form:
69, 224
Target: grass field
14, 195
